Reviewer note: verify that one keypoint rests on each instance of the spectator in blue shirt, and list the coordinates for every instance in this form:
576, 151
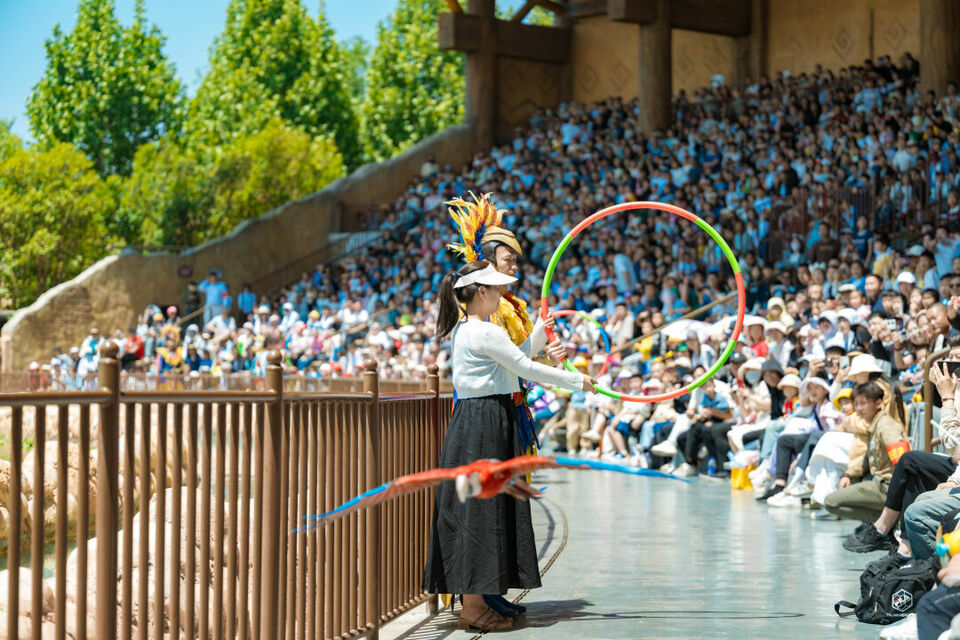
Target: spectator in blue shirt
711, 420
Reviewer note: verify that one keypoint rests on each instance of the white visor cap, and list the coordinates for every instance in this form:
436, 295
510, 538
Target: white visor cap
487, 276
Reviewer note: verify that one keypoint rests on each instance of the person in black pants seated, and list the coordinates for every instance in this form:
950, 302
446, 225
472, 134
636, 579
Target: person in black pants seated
939, 607
916, 472
711, 424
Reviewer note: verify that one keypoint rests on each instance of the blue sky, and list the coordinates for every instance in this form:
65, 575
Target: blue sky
189, 25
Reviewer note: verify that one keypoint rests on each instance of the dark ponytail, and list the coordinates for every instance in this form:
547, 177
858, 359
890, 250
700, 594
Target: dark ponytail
452, 300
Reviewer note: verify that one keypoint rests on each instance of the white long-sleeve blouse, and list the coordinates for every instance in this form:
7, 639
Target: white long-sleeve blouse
486, 362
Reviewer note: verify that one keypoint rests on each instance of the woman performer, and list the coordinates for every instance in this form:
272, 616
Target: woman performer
484, 546
478, 220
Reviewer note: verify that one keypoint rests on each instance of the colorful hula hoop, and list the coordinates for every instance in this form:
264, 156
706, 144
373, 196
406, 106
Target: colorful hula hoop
669, 208
603, 334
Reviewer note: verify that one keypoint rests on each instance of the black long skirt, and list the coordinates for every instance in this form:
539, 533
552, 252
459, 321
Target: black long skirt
480, 546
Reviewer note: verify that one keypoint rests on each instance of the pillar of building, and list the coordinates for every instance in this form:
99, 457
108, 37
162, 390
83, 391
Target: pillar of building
656, 82
480, 91
939, 44
751, 49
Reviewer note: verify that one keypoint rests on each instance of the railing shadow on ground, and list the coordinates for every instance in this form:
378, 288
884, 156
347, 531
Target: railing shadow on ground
193, 497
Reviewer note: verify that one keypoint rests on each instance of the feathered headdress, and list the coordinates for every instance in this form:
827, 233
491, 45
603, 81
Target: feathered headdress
479, 222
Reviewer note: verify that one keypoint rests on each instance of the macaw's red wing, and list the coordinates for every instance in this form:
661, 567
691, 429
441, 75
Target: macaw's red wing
390, 490
523, 465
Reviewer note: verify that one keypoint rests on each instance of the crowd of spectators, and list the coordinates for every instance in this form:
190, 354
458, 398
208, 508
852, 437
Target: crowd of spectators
732, 157
841, 315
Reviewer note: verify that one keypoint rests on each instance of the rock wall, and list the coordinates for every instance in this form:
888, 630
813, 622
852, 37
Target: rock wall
112, 292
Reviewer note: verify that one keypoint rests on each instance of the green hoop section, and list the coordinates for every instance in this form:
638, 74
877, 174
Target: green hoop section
710, 231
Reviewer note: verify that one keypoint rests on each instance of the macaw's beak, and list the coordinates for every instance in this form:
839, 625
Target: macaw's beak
463, 488
468, 486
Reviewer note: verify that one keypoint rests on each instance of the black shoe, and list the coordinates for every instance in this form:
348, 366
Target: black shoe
502, 606
770, 493
869, 539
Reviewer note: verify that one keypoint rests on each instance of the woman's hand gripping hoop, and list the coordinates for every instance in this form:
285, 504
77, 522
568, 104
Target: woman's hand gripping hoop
669, 208
603, 334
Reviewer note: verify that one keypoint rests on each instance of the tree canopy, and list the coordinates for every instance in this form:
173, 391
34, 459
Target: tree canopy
52, 206
122, 155
274, 60
178, 196
413, 89
107, 89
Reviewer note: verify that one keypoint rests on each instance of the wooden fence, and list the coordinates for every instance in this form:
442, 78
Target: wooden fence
193, 497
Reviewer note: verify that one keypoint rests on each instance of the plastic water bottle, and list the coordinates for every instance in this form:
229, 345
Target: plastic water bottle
712, 466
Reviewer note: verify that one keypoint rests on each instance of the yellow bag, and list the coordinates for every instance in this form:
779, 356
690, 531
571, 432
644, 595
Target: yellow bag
740, 478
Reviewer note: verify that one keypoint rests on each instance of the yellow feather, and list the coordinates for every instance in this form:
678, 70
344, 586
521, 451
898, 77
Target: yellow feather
469, 217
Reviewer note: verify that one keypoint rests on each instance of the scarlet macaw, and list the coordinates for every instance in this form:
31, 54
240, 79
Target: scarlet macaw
481, 479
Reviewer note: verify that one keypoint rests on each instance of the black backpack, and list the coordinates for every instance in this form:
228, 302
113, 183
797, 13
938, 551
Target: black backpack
888, 592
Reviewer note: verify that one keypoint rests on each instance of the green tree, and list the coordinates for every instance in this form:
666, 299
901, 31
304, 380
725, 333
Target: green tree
185, 197
165, 200
413, 88
261, 172
356, 52
107, 89
273, 59
231, 103
9, 142
52, 205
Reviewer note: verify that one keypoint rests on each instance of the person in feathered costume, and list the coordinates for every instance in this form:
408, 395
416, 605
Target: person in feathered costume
482, 238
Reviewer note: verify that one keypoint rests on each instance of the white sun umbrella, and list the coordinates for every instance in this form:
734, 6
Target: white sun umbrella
678, 330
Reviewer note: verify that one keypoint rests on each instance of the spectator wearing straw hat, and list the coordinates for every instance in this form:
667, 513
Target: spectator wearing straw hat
802, 431
781, 349
753, 328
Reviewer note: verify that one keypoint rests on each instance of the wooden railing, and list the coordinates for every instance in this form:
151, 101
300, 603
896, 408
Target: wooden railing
16, 381
194, 498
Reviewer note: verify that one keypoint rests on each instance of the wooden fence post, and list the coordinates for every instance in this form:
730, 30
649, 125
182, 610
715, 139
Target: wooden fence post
108, 493
433, 384
371, 475
272, 509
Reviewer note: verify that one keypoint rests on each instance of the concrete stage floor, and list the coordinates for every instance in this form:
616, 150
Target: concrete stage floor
631, 557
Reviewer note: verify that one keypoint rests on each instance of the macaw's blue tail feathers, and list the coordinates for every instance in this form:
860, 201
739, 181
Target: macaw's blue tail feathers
348, 506
578, 463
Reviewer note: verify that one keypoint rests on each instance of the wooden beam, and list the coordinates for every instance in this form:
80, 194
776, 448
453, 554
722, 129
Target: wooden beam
530, 42
459, 31
587, 8
632, 11
552, 6
522, 12
454, 6
722, 17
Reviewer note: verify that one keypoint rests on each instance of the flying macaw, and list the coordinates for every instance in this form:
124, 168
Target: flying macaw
482, 479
